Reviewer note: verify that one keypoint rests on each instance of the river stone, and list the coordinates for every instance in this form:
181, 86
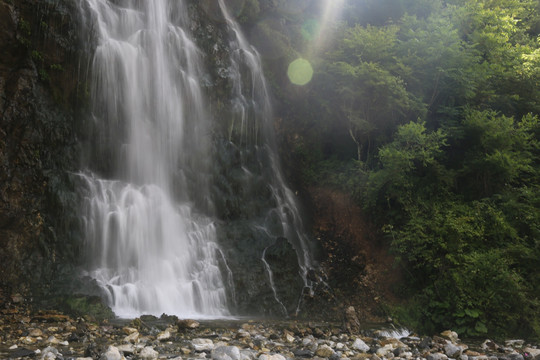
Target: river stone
490, 345
450, 335
49, 353
437, 356
132, 337
324, 351
385, 350
452, 350
516, 343
202, 344
535, 353
248, 354
360, 345
515, 356
226, 353
164, 335
126, 348
36, 333
302, 353
148, 353
271, 357
112, 353
28, 340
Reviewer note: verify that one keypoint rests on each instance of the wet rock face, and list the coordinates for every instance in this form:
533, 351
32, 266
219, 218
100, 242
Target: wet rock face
38, 86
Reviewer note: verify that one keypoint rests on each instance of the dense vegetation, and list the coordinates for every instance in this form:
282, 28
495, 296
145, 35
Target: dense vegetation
426, 111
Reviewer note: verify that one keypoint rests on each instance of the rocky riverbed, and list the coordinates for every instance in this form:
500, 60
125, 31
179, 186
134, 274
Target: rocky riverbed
52, 335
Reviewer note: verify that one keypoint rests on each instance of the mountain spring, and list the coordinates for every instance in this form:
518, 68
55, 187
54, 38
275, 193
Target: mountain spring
185, 208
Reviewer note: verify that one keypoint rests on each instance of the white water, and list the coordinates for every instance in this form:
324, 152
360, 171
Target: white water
147, 248
150, 241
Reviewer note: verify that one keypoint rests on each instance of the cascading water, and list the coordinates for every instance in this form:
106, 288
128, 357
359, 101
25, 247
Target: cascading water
165, 197
252, 104
148, 248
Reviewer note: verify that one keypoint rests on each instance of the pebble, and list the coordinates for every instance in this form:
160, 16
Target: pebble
112, 353
272, 357
132, 337
226, 353
324, 351
202, 344
360, 345
452, 350
164, 335
148, 353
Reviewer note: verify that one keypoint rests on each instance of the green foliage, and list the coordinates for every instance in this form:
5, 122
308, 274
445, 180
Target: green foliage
440, 100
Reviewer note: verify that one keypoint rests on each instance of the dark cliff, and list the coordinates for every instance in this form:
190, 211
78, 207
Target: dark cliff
40, 90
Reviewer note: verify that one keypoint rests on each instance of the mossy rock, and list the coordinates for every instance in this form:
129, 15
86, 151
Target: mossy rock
91, 306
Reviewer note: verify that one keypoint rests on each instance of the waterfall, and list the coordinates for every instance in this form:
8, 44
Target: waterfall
255, 114
150, 208
148, 246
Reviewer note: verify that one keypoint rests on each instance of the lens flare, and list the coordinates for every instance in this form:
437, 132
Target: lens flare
300, 72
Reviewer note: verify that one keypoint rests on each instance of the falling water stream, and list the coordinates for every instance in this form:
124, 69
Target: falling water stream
151, 242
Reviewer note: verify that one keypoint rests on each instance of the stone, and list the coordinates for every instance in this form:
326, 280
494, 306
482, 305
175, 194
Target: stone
148, 353
126, 348
248, 354
202, 344
271, 357
226, 353
437, 356
385, 350
534, 353
352, 324
516, 356
463, 357
49, 353
129, 330
489, 345
28, 340
242, 334
452, 350
324, 351
53, 340
13, 347
289, 337
112, 353
472, 353
516, 343
425, 344
187, 324
450, 335
132, 337
360, 345
36, 333
302, 353
164, 335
